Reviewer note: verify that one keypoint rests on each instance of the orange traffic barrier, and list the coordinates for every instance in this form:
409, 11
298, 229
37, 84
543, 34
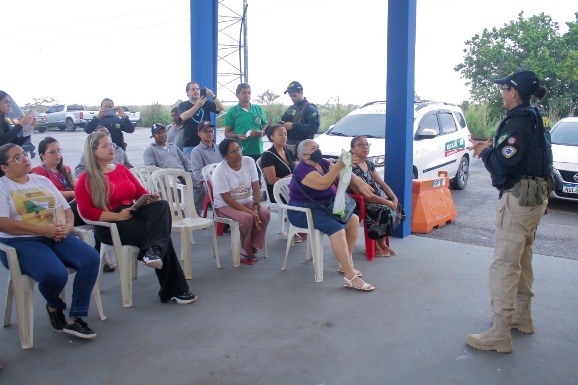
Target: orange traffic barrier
432, 204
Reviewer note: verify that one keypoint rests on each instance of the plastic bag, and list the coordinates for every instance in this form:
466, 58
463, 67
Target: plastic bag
344, 179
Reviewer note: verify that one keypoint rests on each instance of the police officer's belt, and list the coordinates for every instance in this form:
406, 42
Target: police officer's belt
530, 191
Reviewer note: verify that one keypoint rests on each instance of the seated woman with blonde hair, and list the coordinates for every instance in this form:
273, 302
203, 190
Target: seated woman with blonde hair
106, 192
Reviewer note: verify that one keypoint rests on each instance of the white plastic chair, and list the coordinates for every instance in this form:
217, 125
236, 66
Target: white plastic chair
143, 174
315, 237
126, 257
21, 291
184, 216
274, 206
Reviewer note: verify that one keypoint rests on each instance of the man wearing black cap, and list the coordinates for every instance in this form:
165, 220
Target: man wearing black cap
203, 154
519, 160
301, 120
162, 154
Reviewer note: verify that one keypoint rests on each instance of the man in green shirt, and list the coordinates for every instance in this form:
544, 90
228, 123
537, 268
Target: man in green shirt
246, 122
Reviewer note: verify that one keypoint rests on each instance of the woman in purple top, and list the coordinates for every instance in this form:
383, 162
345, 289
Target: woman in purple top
315, 176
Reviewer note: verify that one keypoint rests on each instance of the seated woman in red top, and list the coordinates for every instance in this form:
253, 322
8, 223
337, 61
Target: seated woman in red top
105, 192
53, 168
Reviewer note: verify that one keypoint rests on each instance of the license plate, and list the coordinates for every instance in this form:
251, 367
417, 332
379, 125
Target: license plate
570, 188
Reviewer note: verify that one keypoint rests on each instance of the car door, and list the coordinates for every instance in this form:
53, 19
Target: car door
427, 148
454, 143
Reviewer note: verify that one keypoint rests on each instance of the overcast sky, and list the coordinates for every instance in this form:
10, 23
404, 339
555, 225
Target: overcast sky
137, 51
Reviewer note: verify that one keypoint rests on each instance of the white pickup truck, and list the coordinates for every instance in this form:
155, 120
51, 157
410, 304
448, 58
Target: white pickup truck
68, 116
134, 117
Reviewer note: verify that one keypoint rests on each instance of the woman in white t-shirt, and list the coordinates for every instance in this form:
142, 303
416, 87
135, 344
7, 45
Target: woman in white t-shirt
36, 220
237, 194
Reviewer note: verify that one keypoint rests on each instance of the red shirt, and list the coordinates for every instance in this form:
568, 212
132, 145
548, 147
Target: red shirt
55, 178
124, 189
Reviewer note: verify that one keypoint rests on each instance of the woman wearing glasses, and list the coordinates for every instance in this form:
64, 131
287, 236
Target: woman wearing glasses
383, 202
105, 192
237, 195
313, 180
53, 168
44, 245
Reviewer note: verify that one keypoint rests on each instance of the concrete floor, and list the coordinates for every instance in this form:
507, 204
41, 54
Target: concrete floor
260, 325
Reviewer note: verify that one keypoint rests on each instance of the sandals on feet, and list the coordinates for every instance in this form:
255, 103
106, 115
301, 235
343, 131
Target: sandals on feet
108, 268
349, 284
357, 272
297, 238
382, 253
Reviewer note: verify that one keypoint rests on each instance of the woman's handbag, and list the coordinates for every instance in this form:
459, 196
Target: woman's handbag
349, 206
395, 218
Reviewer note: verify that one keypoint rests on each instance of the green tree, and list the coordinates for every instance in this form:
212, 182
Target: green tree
40, 104
267, 98
534, 43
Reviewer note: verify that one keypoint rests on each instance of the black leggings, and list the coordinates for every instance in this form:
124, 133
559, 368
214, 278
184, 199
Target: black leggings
150, 226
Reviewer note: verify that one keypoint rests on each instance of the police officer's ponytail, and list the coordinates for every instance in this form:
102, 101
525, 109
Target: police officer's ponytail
541, 92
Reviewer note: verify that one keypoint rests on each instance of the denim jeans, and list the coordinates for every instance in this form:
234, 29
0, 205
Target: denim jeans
45, 261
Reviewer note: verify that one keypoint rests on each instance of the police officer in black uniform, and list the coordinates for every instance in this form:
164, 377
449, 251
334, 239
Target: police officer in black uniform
301, 120
115, 123
519, 160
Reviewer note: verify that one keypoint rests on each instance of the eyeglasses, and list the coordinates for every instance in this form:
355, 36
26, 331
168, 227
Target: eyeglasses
236, 151
207, 132
106, 146
18, 158
368, 145
505, 88
57, 151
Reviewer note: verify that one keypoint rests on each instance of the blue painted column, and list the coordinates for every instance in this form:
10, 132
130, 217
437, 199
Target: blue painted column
400, 99
204, 32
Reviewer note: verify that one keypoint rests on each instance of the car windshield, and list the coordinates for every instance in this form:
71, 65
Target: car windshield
370, 125
565, 133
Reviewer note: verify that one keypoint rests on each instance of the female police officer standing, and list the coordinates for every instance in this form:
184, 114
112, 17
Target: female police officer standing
519, 161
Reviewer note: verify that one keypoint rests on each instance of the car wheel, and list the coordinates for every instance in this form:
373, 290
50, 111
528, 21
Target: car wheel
461, 179
62, 128
70, 126
42, 129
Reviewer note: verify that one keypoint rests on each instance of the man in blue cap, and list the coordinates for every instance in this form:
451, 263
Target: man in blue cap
301, 120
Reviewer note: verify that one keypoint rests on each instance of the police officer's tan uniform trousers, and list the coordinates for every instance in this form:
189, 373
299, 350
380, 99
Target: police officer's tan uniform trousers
511, 272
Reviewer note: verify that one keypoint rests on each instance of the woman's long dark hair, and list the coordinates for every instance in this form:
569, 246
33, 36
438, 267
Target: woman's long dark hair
60, 166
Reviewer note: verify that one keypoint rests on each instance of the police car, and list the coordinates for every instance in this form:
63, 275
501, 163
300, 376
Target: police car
564, 145
440, 139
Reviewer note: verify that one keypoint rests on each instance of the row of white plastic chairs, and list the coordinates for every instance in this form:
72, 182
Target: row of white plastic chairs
166, 182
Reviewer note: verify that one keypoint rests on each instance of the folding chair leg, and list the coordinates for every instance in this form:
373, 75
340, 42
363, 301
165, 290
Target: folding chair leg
125, 274
235, 244
215, 249
186, 253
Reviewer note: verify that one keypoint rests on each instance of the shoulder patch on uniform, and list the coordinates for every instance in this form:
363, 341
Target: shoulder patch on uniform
293, 112
314, 114
512, 140
117, 125
502, 138
509, 151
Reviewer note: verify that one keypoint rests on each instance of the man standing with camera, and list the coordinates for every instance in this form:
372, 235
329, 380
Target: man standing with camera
114, 120
301, 120
194, 111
